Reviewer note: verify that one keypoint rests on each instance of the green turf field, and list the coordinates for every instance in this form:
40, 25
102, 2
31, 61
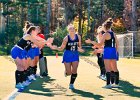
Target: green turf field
88, 85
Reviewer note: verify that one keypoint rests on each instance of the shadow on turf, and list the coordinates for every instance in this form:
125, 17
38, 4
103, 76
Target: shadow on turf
128, 89
38, 87
87, 94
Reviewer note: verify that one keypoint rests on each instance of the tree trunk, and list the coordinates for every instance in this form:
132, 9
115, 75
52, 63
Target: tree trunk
66, 11
1, 18
102, 10
48, 17
80, 17
28, 12
88, 15
22, 17
133, 16
88, 10
133, 22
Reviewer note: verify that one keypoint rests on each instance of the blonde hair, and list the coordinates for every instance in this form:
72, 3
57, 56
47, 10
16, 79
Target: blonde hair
69, 26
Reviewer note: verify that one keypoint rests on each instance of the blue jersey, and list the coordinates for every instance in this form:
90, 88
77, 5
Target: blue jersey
24, 44
110, 42
110, 49
72, 45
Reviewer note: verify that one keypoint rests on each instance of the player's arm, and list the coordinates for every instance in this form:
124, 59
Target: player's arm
100, 39
80, 44
63, 45
95, 43
32, 39
117, 42
48, 42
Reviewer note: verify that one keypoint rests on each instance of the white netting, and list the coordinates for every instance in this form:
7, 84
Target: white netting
125, 45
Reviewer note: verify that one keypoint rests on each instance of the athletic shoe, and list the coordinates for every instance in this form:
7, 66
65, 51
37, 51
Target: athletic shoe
71, 86
33, 77
20, 90
115, 86
28, 82
19, 86
108, 86
29, 78
44, 74
37, 75
25, 83
103, 77
41, 76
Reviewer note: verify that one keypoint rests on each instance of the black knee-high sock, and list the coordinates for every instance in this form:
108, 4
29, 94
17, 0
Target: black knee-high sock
18, 76
103, 71
22, 76
25, 75
112, 77
73, 77
116, 77
28, 72
103, 68
35, 69
107, 78
101, 63
31, 70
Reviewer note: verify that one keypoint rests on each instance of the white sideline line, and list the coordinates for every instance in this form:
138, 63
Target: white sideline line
12, 95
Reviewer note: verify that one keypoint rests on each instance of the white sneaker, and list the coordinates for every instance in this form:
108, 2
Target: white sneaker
24, 84
28, 82
103, 77
19, 86
41, 76
33, 77
30, 78
115, 86
108, 86
71, 86
37, 75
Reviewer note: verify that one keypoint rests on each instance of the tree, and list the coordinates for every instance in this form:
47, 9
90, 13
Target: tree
130, 15
48, 17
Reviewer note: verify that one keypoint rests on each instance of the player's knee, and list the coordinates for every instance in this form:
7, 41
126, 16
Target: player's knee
74, 71
69, 72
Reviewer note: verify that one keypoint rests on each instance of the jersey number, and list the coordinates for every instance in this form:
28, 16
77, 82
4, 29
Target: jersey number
72, 48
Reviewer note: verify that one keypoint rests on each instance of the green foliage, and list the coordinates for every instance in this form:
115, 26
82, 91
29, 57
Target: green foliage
2, 50
84, 35
51, 52
119, 30
36, 11
5, 1
2, 38
59, 35
116, 6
